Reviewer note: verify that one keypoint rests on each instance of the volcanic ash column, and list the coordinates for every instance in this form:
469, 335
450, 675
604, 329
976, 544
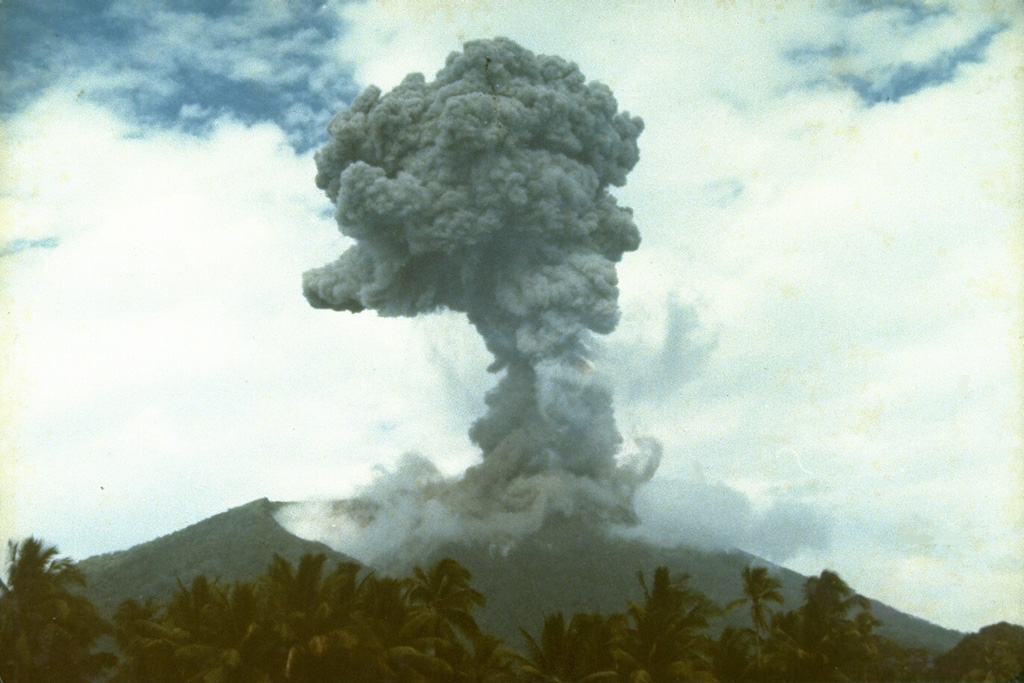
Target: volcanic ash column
486, 191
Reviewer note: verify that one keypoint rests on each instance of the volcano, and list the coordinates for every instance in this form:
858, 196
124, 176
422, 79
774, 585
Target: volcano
566, 566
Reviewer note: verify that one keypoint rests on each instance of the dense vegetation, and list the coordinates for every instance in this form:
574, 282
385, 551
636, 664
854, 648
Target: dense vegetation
306, 621
47, 631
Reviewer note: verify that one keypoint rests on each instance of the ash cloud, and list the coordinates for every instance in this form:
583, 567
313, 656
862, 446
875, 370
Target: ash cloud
656, 372
710, 514
486, 192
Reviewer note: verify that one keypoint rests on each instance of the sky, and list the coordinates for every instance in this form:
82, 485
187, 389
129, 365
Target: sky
822, 325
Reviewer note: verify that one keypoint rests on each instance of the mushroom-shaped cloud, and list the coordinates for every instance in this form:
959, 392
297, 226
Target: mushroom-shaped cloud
486, 191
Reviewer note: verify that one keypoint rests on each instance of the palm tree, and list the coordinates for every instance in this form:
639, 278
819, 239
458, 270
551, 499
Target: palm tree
207, 632
147, 644
731, 655
442, 601
190, 612
486, 660
818, 641
665, 640
759, 588
828, 598
383, 645
577, 652
785, 657
244, 640
312, 615
222, 634
867, 647
828, 602
46, 630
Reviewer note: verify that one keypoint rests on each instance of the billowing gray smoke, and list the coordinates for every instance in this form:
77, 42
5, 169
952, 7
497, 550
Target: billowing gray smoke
486, 192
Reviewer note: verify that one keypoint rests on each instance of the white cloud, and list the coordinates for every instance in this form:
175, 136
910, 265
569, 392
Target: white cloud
167, 359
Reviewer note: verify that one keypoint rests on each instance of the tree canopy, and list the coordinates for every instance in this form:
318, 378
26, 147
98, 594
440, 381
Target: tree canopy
306, 621
47, 631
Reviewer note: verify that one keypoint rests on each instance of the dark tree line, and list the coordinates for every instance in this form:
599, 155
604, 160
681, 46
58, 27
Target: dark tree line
311, 623
47, 630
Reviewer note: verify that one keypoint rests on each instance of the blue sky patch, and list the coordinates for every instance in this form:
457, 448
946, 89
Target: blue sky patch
879, 53
211, 59
907, 78
19, 245
906, 13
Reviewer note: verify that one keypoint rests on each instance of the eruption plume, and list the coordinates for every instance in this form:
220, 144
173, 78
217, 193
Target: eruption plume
486, 192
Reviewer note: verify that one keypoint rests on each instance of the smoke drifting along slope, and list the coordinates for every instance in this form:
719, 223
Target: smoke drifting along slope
486, 192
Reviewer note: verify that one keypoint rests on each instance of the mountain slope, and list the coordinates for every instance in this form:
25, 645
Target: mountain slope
564, 567
233, 545
568, 568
